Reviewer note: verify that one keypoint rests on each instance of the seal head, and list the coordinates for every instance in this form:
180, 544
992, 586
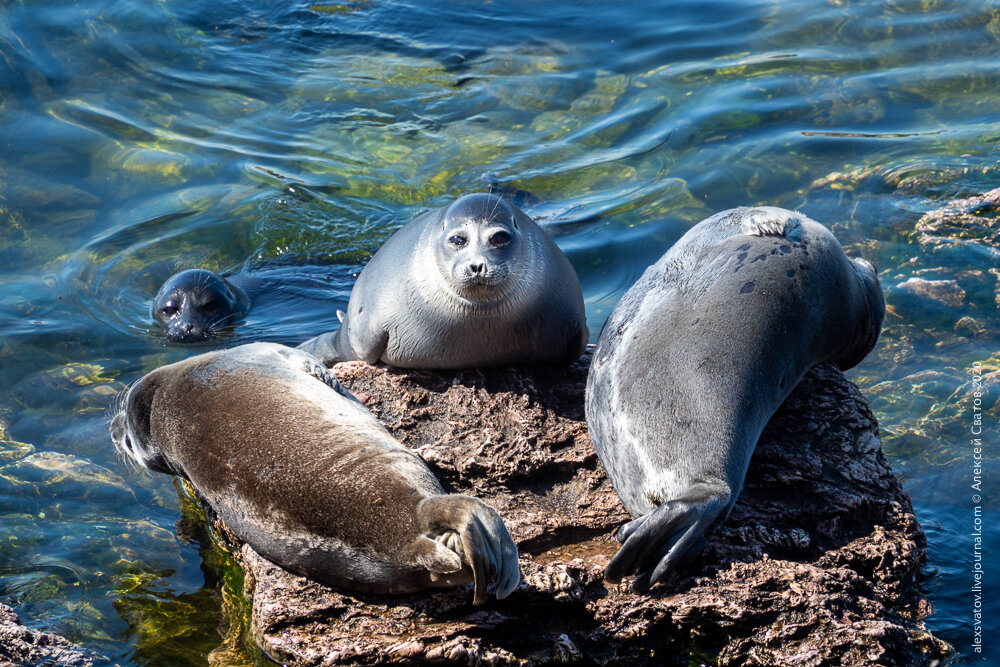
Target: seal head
473, 284
193, 305
480, 247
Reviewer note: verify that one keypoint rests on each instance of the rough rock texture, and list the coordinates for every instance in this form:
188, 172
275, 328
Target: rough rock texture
960, 222
22, 646
819, 563
944, 292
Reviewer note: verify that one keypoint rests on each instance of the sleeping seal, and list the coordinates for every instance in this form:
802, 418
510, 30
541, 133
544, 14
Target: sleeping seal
302, 472
192, 305
473, 284
698, 355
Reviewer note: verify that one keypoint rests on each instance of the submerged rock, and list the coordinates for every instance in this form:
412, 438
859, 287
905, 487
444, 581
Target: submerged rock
819, 563
943, 292
963, 222
20, 645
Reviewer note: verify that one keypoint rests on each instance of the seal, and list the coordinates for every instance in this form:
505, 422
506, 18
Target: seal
474, 284
296, 467
193, 305
698, 355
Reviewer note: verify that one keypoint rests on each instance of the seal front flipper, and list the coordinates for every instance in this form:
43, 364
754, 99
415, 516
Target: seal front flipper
668, 535
434, 556
473, 530
322, 347
333, 347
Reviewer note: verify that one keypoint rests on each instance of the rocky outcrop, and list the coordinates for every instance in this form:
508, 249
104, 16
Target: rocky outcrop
819, 563
20, 645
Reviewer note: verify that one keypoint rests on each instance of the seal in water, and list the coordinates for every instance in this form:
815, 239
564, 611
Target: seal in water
477, 283
300, 470
698, 355
192, 305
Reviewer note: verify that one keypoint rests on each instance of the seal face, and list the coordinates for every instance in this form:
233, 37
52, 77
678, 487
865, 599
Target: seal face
698, 355
302, 472
476, 283
479, 248
193, 305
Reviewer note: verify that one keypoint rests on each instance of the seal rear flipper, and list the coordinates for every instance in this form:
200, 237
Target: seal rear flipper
771, 221
483, 541
670, 534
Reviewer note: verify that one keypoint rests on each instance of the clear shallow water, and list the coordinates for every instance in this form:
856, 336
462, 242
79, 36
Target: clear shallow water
287, 141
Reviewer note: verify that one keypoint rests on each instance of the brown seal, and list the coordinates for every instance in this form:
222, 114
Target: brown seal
302, 472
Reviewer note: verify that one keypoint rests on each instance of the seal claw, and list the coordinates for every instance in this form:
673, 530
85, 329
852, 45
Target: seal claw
668, 535
434, 556
483, 543
771, 221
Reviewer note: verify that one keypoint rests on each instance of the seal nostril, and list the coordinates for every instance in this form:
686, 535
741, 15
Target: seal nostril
476, 268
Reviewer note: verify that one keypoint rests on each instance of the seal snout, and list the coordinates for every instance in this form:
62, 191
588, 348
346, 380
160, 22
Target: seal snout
118, 431
479, 279
188, 332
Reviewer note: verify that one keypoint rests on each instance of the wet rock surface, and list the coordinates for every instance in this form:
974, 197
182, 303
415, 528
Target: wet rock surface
20, 645
819, 563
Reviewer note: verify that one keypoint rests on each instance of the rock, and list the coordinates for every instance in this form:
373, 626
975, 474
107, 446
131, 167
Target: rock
963, 222
22, 646
943, 292
54, 474
961, 235
819, 563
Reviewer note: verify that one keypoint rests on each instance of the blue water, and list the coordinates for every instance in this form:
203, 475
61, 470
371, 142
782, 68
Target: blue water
285, 141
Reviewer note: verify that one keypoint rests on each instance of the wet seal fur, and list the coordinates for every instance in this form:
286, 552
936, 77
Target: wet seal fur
698, 355
194, 304
474, 284
296, 467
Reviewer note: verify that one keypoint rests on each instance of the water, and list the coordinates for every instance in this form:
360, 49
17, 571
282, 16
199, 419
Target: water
287, 141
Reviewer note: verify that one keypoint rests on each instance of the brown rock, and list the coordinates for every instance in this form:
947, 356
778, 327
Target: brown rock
22, 646
819, 563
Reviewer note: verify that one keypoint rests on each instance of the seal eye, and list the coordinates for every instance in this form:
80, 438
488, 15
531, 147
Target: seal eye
500, 239
457, 240
211, 307
169, 311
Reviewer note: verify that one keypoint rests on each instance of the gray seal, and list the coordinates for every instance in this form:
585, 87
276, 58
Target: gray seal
307, 476
474, 284
698, 355
194, 305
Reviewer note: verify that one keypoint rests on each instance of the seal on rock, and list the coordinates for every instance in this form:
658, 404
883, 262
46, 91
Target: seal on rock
474, 284
296, 467
193, 305
698, 355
